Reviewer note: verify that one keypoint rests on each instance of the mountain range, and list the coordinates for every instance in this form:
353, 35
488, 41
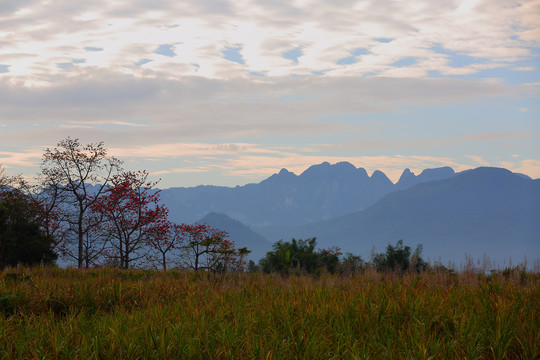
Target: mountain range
482, 212
321, 192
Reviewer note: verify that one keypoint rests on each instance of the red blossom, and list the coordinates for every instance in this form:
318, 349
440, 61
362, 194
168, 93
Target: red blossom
133, 216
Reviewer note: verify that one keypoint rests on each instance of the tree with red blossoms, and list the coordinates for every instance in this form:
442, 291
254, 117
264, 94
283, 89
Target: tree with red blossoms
166, 239
132, 216
207, 248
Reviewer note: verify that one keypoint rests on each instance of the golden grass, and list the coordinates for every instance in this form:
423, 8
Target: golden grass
55, 313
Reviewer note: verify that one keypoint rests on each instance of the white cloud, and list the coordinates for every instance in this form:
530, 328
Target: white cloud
37, 36
114, 86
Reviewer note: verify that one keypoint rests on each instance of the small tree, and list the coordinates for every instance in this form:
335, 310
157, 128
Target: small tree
206, 248
351, 264
252, 267
166, 239
281, 259
398, 258
417, 262
330, 258
232, 259
290, 254
79, 175
132, 216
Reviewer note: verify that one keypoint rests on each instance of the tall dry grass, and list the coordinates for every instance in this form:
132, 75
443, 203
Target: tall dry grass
55, 313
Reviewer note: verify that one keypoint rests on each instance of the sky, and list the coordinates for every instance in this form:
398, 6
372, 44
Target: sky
229, 92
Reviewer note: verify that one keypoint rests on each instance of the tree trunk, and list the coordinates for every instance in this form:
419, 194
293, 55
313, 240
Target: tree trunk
164, 262
81, 256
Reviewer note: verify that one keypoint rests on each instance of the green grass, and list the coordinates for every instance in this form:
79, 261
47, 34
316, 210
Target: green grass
51, 313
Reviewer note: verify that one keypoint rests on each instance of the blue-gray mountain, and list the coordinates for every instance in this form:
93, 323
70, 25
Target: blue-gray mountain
486, 211
321, 192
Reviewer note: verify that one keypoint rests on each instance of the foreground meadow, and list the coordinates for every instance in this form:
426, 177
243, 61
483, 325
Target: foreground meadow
50, 313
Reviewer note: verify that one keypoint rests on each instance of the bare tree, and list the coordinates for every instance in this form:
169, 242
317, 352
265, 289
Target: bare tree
77, 176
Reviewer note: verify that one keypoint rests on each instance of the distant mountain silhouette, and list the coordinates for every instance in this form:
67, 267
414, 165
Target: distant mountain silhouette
486, 211
242, 235
408, 178
321, 192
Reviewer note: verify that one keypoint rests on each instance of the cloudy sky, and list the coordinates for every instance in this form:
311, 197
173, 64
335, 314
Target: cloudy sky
228, 92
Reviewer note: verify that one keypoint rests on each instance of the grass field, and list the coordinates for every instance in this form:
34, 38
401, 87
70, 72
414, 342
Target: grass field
50, 313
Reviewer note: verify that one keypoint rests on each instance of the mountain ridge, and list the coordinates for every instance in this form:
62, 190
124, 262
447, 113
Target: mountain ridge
322, 191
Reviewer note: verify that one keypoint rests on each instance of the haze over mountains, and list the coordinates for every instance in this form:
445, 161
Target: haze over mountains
485, 211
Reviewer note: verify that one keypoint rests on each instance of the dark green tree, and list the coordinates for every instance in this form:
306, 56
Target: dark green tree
252, 267
22, 239
330, 258
351, 264
399, 258
417, 262
294, 254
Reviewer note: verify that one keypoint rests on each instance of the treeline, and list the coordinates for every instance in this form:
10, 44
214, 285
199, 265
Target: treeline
84, 208
301, 257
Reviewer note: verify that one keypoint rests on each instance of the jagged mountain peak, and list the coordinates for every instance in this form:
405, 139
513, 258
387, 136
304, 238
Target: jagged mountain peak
341, 170
379, 175
282, 177
407, 173
284, 172
408, 178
